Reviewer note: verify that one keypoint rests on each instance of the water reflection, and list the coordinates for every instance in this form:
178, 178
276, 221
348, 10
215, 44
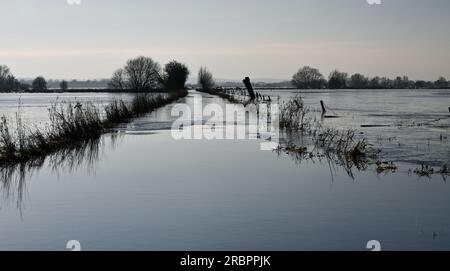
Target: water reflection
156, 193
14, 176
301, 148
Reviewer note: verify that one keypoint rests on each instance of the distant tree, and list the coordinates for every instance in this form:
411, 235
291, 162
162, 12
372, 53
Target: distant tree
205, 79
39, 84
4, 72
358, 81
308, 78
374, 83
402, 82
118, 80
64, 85
386, 83
175, 76
337, 80
141, 73
25, 86
420, 84
8, 83
441, 83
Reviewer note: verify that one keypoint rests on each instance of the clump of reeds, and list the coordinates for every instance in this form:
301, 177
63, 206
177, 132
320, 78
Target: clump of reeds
385, 167
343, 143
7, 142
424, 171
293, 115
117, 111
343, 147
429, 171
77, 121
71, 125
445, 172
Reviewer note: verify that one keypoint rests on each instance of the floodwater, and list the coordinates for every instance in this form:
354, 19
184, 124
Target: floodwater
140, 189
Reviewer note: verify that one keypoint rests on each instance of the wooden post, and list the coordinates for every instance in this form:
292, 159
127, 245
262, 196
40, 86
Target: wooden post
249, 87
324, 111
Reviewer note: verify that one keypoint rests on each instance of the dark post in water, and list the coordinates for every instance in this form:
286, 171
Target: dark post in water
249, 87
324, 111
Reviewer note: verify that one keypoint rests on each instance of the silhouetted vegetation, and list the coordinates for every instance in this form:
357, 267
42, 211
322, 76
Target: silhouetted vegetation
64, 85
141, 74
8, 83
358, 81
205, 79
337, 80
71, 125
174, 76
39, 84
293, 114
309, 78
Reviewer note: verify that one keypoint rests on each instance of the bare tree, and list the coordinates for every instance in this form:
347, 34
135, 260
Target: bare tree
337, 80
8, 82
205, 79
118, 80
142, 73
4, 71
308, 78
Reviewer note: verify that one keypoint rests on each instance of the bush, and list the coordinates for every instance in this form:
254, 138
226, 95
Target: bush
175, 76
205, 79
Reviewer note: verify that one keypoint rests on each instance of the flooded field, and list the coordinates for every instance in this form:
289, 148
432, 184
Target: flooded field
139, 188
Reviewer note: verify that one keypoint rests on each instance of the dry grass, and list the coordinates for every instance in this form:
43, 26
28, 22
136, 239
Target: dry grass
72, 125
294, 115
385, 167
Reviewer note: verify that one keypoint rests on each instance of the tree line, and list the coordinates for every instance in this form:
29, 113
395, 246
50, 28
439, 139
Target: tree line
138, 74
9, 83
144, 74
311, 78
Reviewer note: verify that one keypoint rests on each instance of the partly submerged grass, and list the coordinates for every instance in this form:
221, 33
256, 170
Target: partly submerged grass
343, 147
72, 125
294, 115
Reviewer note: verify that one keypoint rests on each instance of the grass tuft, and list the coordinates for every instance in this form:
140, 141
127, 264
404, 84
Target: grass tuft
72, 125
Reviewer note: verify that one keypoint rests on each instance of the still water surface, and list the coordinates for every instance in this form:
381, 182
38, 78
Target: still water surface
140, 189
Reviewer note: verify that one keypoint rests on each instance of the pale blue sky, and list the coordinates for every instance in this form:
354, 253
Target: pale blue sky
260, 38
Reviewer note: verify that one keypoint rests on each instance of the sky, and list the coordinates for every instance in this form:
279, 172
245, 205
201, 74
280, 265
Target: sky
264, 39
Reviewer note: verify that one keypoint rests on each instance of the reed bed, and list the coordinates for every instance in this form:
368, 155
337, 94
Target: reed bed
72, 125
294, 115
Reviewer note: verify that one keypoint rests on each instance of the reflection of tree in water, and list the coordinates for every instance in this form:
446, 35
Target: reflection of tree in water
14, 176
